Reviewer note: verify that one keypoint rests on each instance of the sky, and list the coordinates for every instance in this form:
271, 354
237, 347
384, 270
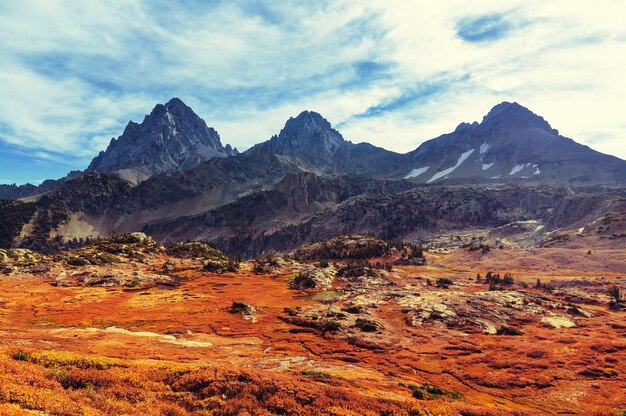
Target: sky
392, 73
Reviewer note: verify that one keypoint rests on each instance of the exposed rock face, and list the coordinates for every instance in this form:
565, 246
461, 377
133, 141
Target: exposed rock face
511, 144
319, 148
170, 139
309, 137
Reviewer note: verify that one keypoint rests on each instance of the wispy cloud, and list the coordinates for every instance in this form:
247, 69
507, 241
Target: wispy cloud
483, 28
393, 73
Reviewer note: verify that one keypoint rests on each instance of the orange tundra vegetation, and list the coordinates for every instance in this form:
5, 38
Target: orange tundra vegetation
156, 333
68, 384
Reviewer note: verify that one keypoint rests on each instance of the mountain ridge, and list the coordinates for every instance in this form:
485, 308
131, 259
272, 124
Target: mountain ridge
316, 146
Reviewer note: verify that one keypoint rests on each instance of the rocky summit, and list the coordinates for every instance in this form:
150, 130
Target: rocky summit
171, 138
310, 137
317, 147
511, 144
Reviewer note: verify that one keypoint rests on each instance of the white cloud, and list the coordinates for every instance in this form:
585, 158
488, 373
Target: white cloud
561, 59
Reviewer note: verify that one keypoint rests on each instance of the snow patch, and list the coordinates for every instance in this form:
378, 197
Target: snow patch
516, 169
448, 171
484, 147
416, 172
487, 165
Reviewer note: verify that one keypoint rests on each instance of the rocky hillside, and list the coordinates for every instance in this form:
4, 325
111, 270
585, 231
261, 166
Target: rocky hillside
291, 201
272, 220
96, 204
265, 213
171, 138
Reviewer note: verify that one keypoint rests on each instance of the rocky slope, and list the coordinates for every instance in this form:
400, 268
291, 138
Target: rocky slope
291, 201
272, 220
265, 213
96, 204
171, 138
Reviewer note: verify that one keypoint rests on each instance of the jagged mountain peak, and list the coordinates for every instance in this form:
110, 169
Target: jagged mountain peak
174, 111
308, 118
309, 136
308, 122
513, 115
171, 138
176, 102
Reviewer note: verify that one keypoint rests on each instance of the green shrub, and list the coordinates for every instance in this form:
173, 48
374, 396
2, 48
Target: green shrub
304, 281
241, 307
360, 268
332, 326
220, 266
443, 283
265, 264
429, 391
506, 330
195, 250
315, 374
355, 309
323, 264
366, 325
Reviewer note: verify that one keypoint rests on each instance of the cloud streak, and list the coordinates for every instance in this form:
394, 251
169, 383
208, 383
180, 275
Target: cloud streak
483, 28
391, 73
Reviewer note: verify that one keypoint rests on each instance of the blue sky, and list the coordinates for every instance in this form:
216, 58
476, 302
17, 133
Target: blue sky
393, 73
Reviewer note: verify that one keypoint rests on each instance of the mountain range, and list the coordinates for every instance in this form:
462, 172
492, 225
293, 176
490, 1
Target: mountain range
171, 176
